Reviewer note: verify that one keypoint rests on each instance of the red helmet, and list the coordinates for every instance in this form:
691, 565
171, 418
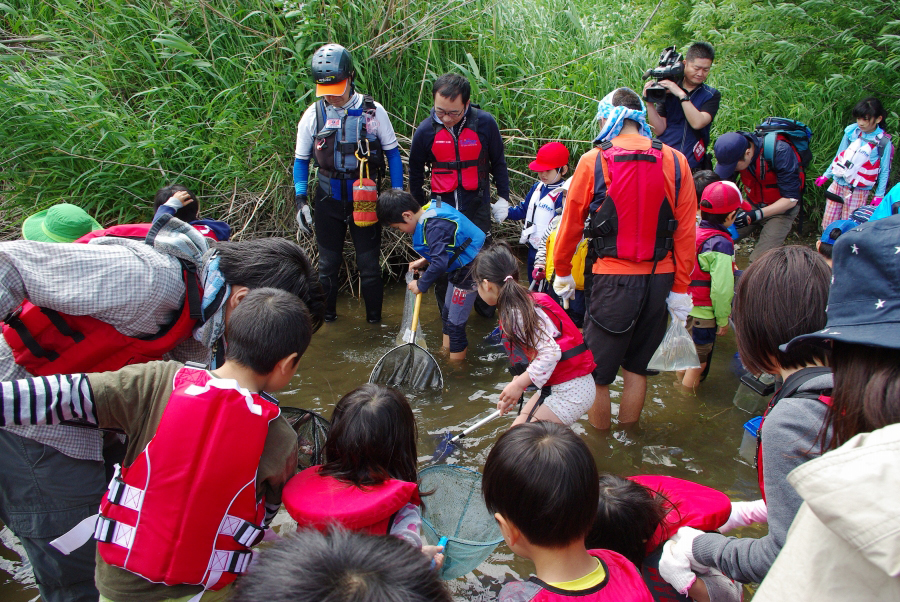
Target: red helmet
552, 155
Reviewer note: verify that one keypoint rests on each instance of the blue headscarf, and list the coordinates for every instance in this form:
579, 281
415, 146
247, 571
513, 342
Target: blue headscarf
615, 118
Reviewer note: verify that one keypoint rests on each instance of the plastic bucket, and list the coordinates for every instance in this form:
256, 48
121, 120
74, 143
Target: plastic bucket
748, 442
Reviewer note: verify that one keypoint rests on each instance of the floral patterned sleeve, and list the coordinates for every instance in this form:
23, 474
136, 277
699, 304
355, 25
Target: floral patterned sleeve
548, 351
408, 524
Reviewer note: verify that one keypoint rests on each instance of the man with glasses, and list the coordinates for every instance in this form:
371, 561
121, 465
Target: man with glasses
683, 121
462, 145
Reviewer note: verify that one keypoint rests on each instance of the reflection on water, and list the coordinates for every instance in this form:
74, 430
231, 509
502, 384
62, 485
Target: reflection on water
682, 434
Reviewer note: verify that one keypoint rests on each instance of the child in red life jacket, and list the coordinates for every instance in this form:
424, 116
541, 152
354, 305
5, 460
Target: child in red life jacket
712, 279
637, 515
541, 483
538, 335
862, 164
369, 481
783, 294
206, 460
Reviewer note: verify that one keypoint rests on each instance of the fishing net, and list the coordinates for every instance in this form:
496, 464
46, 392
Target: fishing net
409, 302
408, 365
312, 430
456, 511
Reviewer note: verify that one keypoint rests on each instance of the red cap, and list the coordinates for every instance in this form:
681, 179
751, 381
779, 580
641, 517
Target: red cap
552, 155
722, 197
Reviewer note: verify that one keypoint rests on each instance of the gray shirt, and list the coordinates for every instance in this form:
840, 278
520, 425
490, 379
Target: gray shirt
790, 437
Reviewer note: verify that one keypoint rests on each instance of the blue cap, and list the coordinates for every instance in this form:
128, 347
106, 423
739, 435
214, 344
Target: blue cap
729, 149
864, 300
835, 229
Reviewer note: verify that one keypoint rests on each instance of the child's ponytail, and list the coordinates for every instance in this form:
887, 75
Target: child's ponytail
498, 265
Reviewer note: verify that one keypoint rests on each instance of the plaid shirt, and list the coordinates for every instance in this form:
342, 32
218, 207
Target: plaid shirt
122, 282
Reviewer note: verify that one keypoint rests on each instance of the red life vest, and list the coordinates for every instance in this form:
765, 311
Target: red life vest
317, 501
701, 282
692, 505
138, 232
761, 184
631, 217
186, 510
45, 341
458, 161
787, 391
576, 360
623, 583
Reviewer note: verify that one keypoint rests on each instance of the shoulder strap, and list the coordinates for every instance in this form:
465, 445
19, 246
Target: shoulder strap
797, 380
320, 115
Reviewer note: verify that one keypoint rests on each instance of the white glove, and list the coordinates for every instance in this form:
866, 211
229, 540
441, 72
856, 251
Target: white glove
745, 513
676, 559
680, 305
304, 220
564, 286
500, 210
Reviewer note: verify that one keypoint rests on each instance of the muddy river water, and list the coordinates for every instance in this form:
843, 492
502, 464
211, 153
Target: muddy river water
690, 435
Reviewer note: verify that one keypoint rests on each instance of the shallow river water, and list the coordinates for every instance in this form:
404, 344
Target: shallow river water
690, 435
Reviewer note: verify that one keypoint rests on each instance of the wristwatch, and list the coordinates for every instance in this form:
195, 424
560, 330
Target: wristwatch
685, 99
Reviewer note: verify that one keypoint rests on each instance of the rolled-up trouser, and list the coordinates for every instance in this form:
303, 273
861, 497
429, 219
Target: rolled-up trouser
772, 231
458, 303
43, 494
332, 218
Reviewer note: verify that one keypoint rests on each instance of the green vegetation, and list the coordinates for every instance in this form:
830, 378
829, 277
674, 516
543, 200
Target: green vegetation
104, 101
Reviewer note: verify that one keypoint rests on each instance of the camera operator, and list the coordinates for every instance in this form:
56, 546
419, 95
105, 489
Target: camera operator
684, 118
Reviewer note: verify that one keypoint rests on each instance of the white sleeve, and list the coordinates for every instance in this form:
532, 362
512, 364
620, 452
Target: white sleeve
547, 353
306, 134
386, 134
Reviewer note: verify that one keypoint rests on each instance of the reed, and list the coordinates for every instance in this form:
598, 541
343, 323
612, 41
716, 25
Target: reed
104, 102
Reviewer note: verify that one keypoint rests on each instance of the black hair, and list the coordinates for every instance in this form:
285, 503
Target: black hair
273, 262
869, 108
451, 85
714, 218
392, 203
782, 295
268, 325
188, 213
825, 249
700, 50
702, 179
628, 98
372, 438
541, 477
627, 517
340, 566
522, 325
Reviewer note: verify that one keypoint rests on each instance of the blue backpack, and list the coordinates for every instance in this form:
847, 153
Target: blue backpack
796, 132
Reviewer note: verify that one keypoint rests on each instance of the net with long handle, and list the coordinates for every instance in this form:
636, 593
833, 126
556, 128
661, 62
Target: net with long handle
456, 511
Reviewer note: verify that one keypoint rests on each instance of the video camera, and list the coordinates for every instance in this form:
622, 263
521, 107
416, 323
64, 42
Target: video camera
671, 67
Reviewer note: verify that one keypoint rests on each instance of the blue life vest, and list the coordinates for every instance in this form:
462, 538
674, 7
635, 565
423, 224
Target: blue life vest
679, 134
467, 240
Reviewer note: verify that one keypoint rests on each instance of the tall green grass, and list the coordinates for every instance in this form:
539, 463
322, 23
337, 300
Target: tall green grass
102, 102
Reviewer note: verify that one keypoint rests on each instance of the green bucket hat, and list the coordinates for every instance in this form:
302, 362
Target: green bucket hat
59, 223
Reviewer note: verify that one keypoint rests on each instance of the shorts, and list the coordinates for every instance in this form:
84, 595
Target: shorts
570, 400
626, 322
703, 333
458, 303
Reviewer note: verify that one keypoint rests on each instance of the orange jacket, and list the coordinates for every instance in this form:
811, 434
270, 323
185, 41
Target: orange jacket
578, 202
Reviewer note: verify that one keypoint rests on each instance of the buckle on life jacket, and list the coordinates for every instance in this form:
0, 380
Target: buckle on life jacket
108, 530
244, 532
230, 562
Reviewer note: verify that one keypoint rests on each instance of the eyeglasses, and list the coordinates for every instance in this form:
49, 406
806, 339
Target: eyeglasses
452, 114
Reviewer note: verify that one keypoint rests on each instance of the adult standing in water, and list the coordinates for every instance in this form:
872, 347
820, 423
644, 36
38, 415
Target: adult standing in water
339, 127
640, 197
462, 145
